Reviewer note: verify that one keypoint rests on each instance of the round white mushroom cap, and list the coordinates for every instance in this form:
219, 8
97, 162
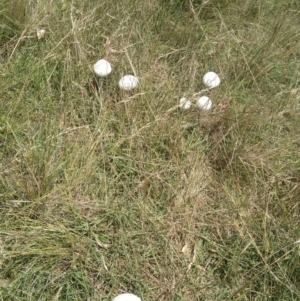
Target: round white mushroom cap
127, 297
102, 68
128, 82
211, 79
184, 103
204, 103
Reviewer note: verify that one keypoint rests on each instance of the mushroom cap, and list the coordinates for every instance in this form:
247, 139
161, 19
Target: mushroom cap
184, 103
211, 79
126, 297
128, 82
204, 103
102, 68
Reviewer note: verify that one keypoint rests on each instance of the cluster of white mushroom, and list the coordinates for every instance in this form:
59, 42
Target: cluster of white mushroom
103, 68
210, 80
128, 82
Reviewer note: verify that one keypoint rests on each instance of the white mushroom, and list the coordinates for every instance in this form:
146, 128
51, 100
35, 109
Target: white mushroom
184, 103
211, 79
102, 68
128, 82
127, 297
204, 103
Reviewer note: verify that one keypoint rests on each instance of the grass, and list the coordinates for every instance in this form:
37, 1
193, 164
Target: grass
104, 192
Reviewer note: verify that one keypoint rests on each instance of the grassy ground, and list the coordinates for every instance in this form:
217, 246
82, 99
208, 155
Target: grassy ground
104, 192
